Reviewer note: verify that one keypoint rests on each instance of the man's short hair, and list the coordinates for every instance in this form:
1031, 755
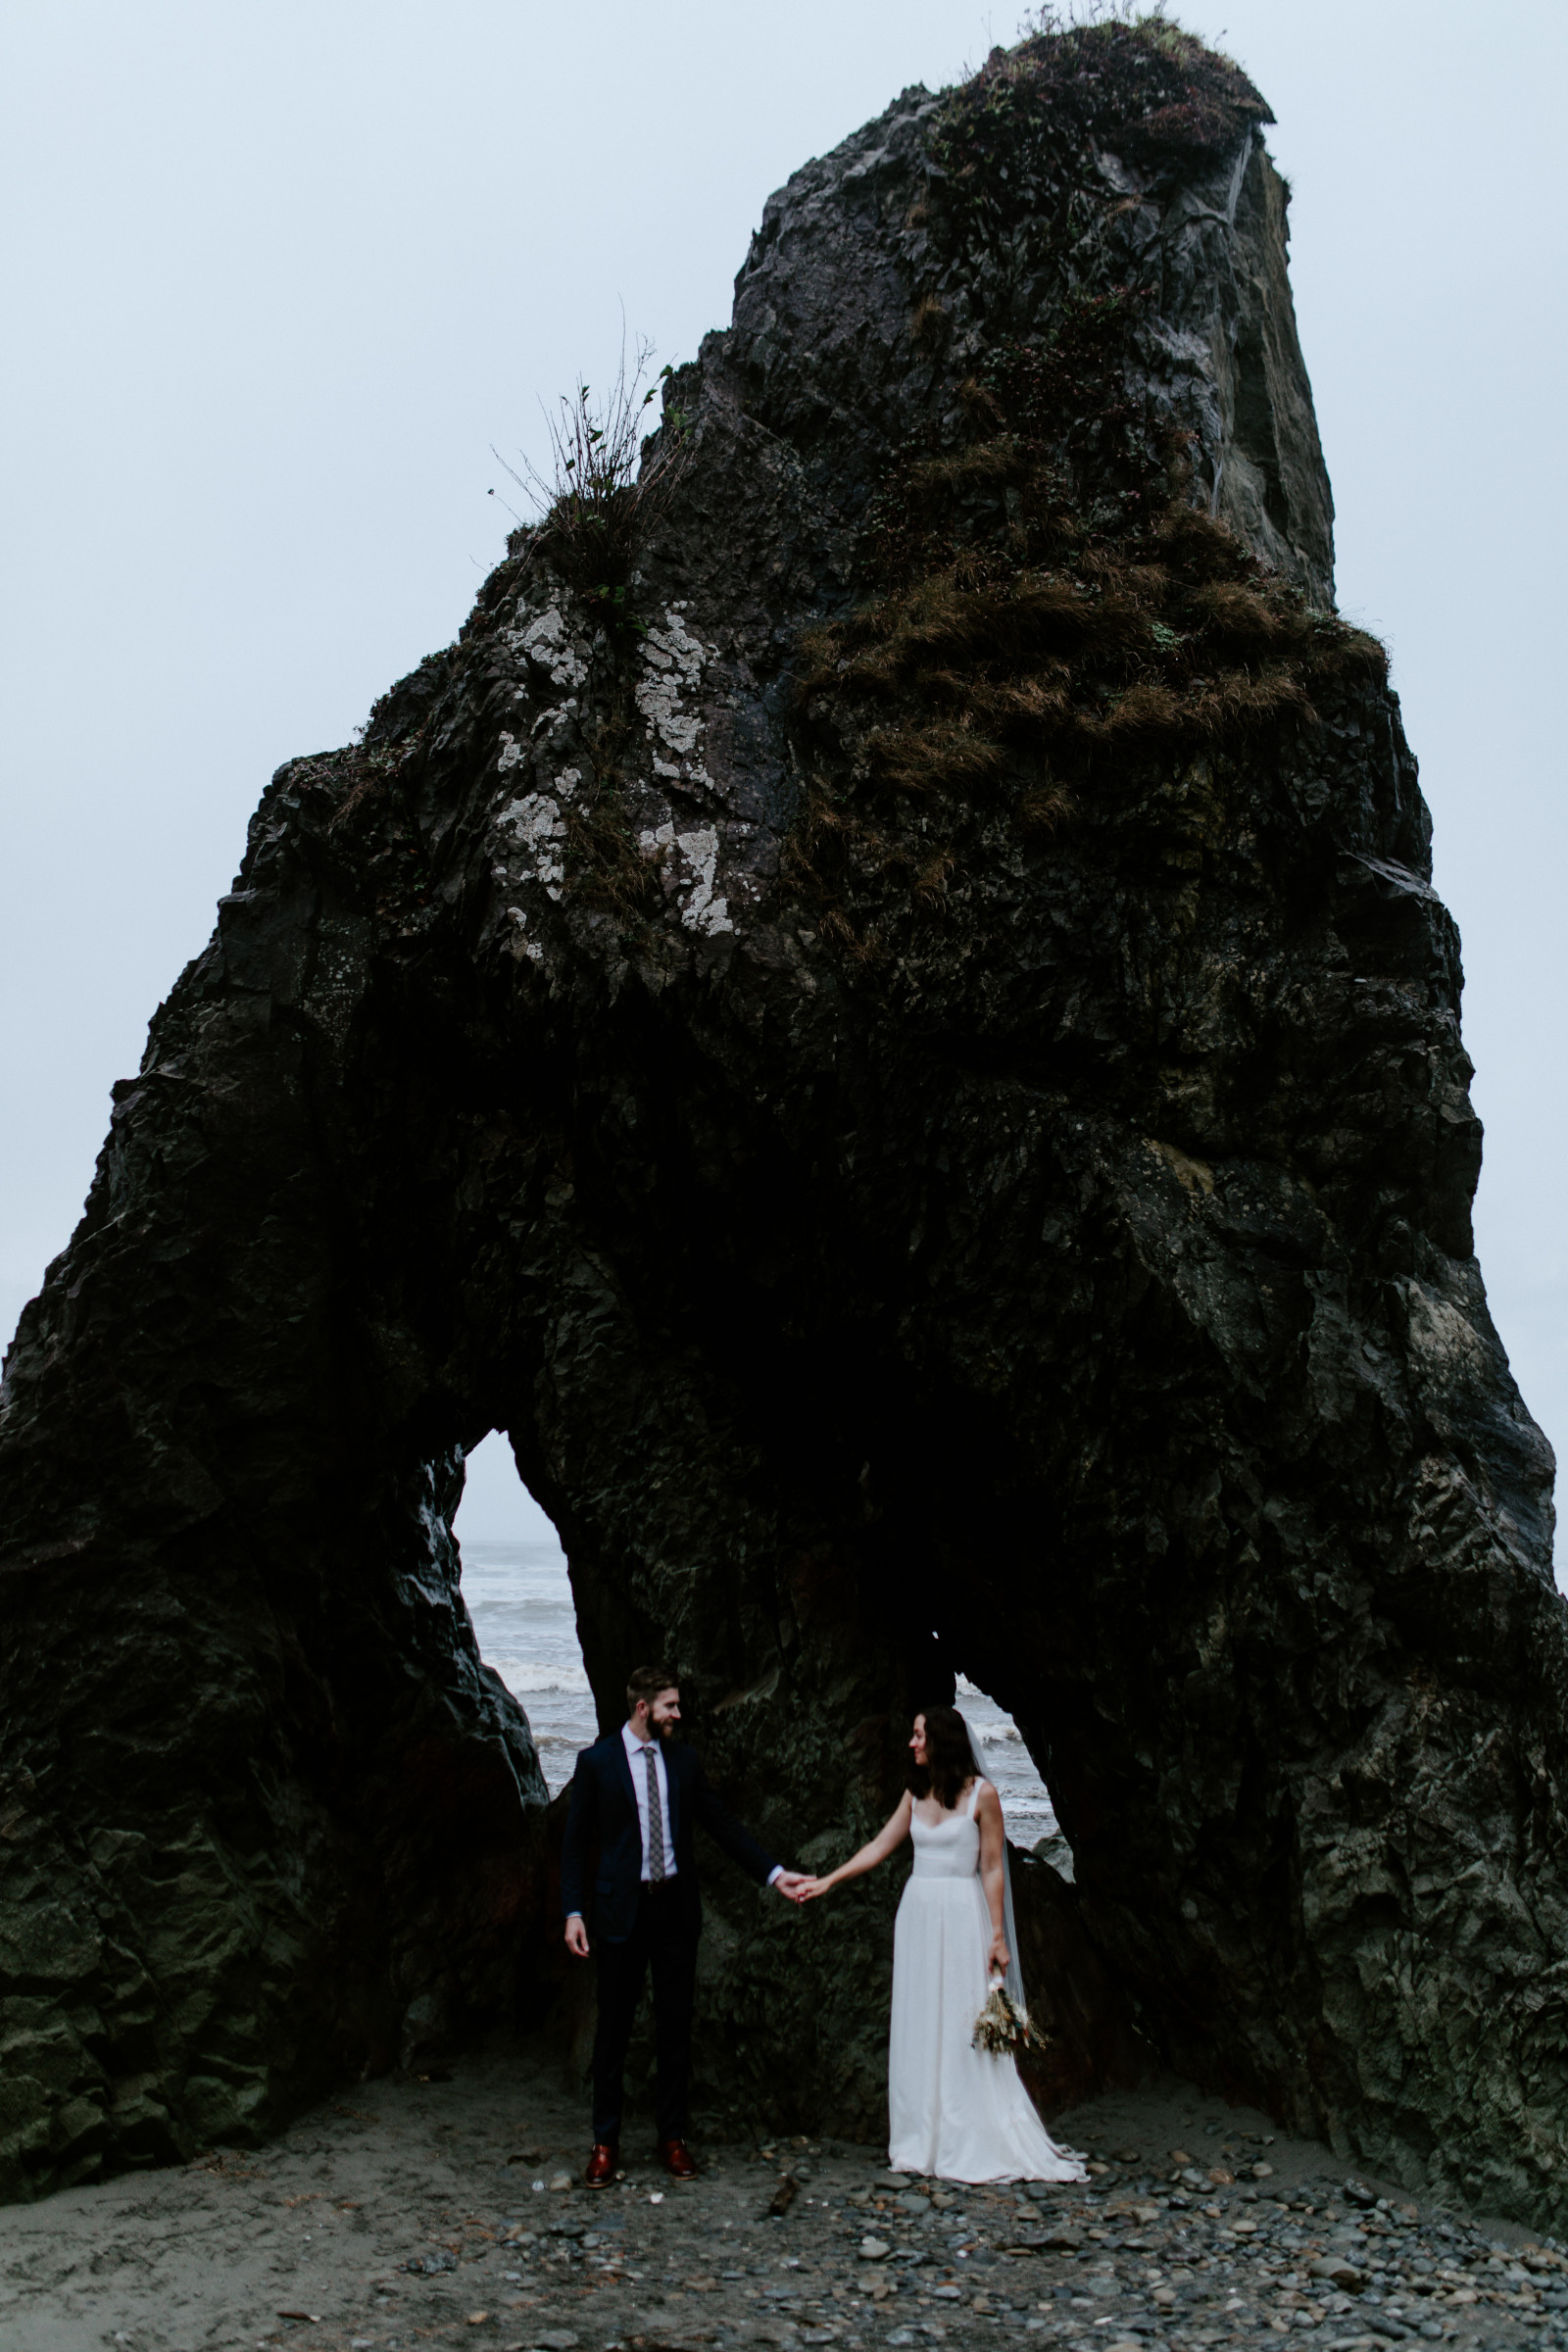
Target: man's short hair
647, 1682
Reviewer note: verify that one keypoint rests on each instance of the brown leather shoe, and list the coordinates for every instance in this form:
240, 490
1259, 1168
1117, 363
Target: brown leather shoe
601, 2165
677, 2157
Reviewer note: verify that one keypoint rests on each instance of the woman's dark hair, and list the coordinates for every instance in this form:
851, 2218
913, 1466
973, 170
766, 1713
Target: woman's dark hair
948, 1760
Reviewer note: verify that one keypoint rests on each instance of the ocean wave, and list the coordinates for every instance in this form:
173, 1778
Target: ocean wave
535, 1678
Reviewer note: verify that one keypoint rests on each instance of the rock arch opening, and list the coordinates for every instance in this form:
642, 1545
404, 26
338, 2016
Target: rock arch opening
1029, 1813
517, 1589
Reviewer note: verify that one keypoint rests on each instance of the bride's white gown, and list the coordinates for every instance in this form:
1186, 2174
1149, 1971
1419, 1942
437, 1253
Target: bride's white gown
956, 2112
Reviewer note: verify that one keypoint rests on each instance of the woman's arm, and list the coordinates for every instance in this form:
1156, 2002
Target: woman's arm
993, 1839
895, 1831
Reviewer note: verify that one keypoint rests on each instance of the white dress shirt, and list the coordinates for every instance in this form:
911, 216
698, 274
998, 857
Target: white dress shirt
638, 1752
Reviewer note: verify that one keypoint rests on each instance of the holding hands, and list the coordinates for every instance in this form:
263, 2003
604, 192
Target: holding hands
799, 1886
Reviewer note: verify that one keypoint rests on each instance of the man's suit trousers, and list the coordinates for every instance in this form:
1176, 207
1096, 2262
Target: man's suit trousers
663, 1940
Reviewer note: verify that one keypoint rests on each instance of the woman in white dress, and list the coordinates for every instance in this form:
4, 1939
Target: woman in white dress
955, 2113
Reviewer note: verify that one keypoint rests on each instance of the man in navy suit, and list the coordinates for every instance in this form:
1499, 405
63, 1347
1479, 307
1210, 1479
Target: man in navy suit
635, 1797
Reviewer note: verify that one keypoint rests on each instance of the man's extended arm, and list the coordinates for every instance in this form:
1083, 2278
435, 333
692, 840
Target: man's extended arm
736, 1839
576, 1849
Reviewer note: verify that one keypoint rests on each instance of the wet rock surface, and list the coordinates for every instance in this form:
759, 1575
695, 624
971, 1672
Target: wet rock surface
453, 2212
907, 1053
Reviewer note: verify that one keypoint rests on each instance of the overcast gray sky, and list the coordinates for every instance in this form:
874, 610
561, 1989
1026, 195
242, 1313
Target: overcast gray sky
277, 277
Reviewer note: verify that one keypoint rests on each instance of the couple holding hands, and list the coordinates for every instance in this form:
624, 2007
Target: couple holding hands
956, 2111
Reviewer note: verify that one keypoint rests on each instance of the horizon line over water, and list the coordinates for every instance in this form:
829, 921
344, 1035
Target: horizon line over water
518, 1595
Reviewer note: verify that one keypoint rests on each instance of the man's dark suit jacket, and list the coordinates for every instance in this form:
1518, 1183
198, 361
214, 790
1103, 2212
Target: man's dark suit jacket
603, 1837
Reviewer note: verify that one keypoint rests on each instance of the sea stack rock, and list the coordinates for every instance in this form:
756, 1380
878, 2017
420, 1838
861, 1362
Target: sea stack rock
881, 1012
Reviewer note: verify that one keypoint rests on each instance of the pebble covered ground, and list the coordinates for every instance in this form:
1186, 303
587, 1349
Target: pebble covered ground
452, 2212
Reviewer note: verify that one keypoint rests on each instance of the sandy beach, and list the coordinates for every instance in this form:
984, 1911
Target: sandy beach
444, 2212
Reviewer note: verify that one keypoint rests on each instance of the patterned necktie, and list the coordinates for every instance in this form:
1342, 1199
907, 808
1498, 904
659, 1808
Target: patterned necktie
656, 1822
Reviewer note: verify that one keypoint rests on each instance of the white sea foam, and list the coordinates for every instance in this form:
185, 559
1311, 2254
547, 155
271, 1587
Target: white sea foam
532, 1678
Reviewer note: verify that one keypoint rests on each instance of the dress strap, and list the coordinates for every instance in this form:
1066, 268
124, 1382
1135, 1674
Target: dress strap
974, 1796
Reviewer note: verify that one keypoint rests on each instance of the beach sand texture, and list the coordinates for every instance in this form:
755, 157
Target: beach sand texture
475, 2182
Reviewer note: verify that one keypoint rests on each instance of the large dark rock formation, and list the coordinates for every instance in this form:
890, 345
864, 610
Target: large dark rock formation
882, 1013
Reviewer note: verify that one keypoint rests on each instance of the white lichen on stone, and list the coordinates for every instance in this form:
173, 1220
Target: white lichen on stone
531, 829
672, 665
548, 640
697, 850
536, 830
521, 945
554, 717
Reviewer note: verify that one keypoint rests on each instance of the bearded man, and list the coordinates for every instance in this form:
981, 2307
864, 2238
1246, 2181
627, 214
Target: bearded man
636, 1797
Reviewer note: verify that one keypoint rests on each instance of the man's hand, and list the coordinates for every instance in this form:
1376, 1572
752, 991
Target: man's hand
577, 1936
789, 1884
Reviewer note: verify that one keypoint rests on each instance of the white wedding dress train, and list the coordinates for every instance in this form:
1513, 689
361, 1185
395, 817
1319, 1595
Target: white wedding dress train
955, 2113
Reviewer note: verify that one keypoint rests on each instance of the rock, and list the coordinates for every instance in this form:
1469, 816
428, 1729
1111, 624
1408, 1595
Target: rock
875, 2249
1056, 1850
894, 1032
